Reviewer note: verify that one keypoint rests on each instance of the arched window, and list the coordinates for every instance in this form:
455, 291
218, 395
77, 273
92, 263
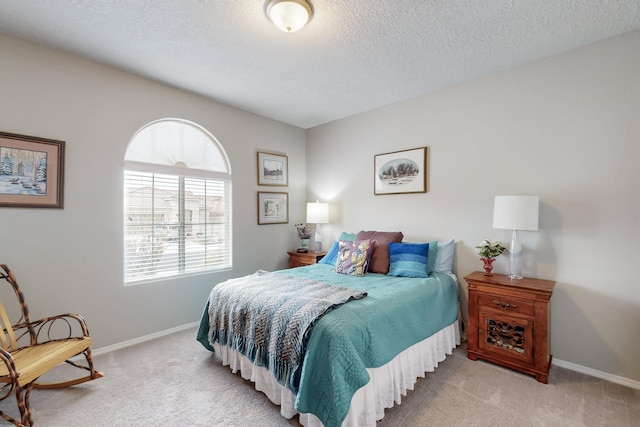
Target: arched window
177, 202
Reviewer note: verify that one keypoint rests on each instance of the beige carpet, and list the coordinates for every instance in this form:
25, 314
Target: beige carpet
174, 381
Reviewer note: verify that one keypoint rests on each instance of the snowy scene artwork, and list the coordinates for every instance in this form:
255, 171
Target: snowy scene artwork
31, 171
401, 172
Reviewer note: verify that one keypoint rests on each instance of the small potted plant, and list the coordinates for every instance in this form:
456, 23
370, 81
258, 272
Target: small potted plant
489, 250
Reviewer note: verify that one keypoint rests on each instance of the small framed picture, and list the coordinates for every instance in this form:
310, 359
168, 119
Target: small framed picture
400, 172
273, 208
273, 169
31, 171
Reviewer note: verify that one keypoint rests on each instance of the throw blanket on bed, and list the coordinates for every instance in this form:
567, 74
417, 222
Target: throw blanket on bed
266, 317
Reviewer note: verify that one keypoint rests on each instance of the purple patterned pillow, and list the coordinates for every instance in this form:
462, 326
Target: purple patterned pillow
353, 257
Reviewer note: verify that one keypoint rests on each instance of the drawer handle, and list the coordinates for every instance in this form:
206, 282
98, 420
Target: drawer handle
504, 305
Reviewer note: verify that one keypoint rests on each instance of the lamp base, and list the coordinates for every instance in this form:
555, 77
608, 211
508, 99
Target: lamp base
515, 257
318, 239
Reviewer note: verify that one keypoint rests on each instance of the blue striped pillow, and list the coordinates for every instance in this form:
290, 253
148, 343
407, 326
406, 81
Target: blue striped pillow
408, 259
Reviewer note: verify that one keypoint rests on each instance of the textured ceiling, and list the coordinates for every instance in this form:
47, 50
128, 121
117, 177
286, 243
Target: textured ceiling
353, 56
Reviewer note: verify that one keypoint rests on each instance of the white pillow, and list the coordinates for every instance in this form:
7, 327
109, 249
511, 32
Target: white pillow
444, 257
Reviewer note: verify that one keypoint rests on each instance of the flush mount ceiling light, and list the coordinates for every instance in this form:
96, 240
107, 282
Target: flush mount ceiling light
288, 15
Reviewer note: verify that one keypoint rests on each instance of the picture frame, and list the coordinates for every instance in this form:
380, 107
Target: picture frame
400, 172
273, 169
273, 208
31, 171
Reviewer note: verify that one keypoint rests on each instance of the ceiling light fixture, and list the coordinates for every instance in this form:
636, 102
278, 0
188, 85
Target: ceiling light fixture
288, 15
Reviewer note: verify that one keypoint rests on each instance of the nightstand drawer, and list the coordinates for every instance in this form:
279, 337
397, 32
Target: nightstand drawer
300, 259
304, 261
511, 305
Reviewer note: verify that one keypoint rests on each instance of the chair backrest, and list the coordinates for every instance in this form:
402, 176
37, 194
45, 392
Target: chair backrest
8, 338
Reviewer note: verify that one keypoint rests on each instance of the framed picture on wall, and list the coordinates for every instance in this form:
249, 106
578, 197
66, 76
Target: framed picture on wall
31, 171
400, 172
273, 208
273, 169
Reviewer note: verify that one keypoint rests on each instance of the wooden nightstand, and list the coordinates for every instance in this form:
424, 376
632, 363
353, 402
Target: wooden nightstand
509, 322
300, 259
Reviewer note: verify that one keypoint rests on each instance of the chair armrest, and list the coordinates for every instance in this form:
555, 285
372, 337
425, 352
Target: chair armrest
61, 326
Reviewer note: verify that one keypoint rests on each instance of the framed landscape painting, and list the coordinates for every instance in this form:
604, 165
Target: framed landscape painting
401, 172
31, 171
273, 169
273, 208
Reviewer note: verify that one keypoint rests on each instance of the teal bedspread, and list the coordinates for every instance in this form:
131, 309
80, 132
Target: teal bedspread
368, 333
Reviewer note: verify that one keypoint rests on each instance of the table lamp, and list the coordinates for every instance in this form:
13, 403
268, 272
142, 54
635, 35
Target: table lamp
516, 213
317, 213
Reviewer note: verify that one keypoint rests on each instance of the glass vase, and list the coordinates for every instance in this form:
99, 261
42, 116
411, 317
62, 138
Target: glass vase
304, 243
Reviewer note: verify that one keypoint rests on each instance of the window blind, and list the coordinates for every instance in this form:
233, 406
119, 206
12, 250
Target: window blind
175, 224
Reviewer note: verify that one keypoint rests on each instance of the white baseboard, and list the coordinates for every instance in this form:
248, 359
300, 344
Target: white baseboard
142, 339
561, 363
595, 373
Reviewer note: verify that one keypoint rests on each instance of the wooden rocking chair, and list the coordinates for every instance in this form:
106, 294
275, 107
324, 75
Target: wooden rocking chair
31, 348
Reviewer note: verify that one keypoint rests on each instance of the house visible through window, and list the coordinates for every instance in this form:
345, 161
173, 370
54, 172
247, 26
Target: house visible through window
177, 202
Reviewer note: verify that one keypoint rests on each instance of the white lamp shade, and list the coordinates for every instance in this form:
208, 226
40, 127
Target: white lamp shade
317, 213
516, 212
288, 15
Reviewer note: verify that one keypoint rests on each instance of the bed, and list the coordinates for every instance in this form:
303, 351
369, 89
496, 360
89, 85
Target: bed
361, 354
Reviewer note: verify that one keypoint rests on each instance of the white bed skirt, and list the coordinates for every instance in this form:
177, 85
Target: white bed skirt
387, 385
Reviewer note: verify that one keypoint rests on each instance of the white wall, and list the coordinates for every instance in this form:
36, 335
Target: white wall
566, 129
70, 260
